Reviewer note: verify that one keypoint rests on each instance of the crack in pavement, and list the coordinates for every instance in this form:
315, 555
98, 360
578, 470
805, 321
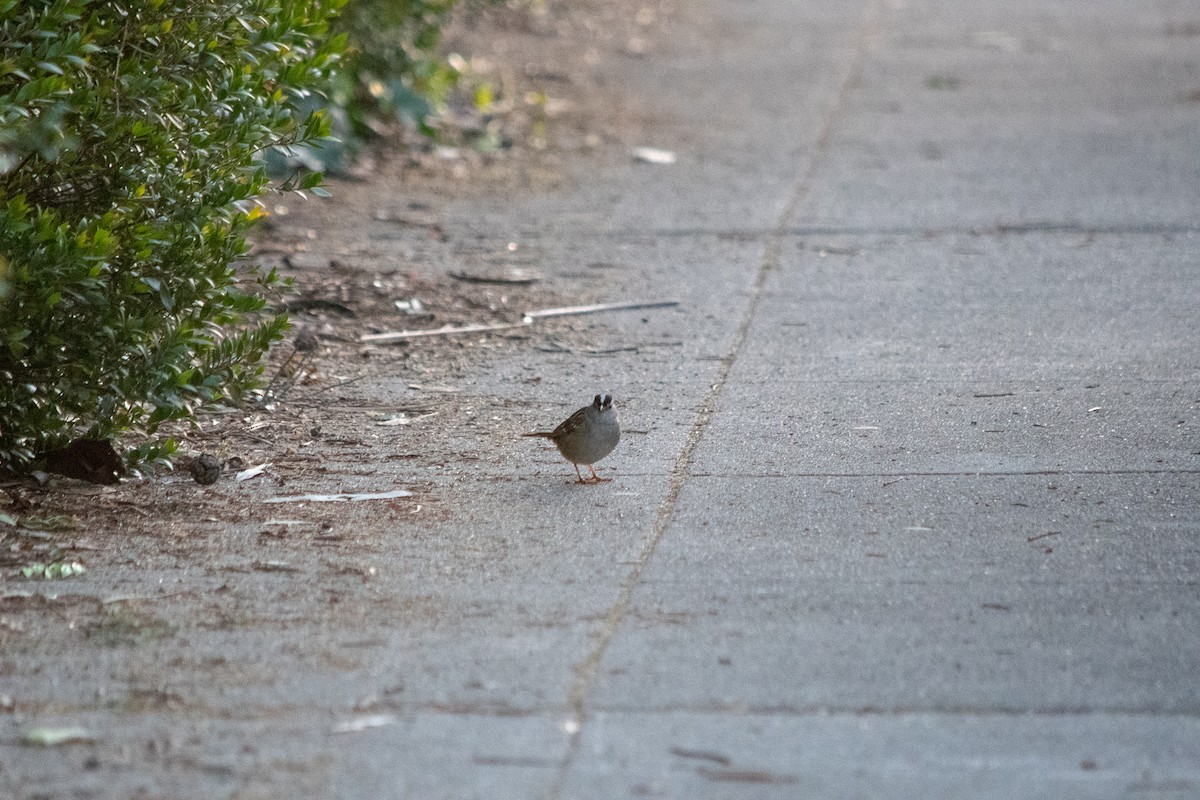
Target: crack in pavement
587, 670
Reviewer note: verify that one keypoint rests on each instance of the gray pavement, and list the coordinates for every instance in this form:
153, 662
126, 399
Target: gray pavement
911, 505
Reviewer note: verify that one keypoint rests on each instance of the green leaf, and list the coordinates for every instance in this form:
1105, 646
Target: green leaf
311, 180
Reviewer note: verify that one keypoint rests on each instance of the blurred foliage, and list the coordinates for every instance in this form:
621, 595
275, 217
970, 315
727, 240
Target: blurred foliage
392, 71
393, 66
130, 141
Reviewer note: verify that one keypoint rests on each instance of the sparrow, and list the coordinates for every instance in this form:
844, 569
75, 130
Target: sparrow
587, 436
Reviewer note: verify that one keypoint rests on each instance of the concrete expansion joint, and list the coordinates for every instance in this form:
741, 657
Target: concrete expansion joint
587, 670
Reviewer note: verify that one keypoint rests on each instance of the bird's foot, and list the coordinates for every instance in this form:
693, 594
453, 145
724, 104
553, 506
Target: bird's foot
596, 478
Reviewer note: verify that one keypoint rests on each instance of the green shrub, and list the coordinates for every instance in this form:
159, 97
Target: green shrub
392, 70
130, 132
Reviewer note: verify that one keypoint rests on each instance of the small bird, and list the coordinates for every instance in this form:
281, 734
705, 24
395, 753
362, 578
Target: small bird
587, 436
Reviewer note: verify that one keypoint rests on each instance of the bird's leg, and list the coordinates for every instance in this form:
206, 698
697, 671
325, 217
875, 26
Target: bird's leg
577, 472
596, 478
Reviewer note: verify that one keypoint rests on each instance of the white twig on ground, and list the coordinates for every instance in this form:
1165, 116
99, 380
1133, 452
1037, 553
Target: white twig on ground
528, 318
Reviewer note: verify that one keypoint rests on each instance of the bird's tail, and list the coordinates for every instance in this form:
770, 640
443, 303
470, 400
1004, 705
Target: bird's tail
540, 434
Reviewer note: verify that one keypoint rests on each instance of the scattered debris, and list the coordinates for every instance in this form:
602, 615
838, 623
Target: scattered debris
275, 566
301, 260
251, 472
444, 389
513, 277
595, 308
527, 319
404, 419
360, 724
1042, 536
744, 776
318, 304
53, 737
126, 626
513, 761
559, 347
704, 755
445, 330
654, 155
833, 250
34, 534
138, 598
411, 306
335, 498
608, 351
49, 522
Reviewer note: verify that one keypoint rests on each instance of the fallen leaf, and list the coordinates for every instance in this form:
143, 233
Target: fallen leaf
444, 389
653, 155
252, 472
518, 277
360, 724
275, 566
706, 755
403, 419
745, 776
53, 737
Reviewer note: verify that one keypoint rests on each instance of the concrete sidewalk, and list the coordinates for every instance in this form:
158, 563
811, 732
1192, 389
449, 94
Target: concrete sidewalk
931, 527
909, 499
